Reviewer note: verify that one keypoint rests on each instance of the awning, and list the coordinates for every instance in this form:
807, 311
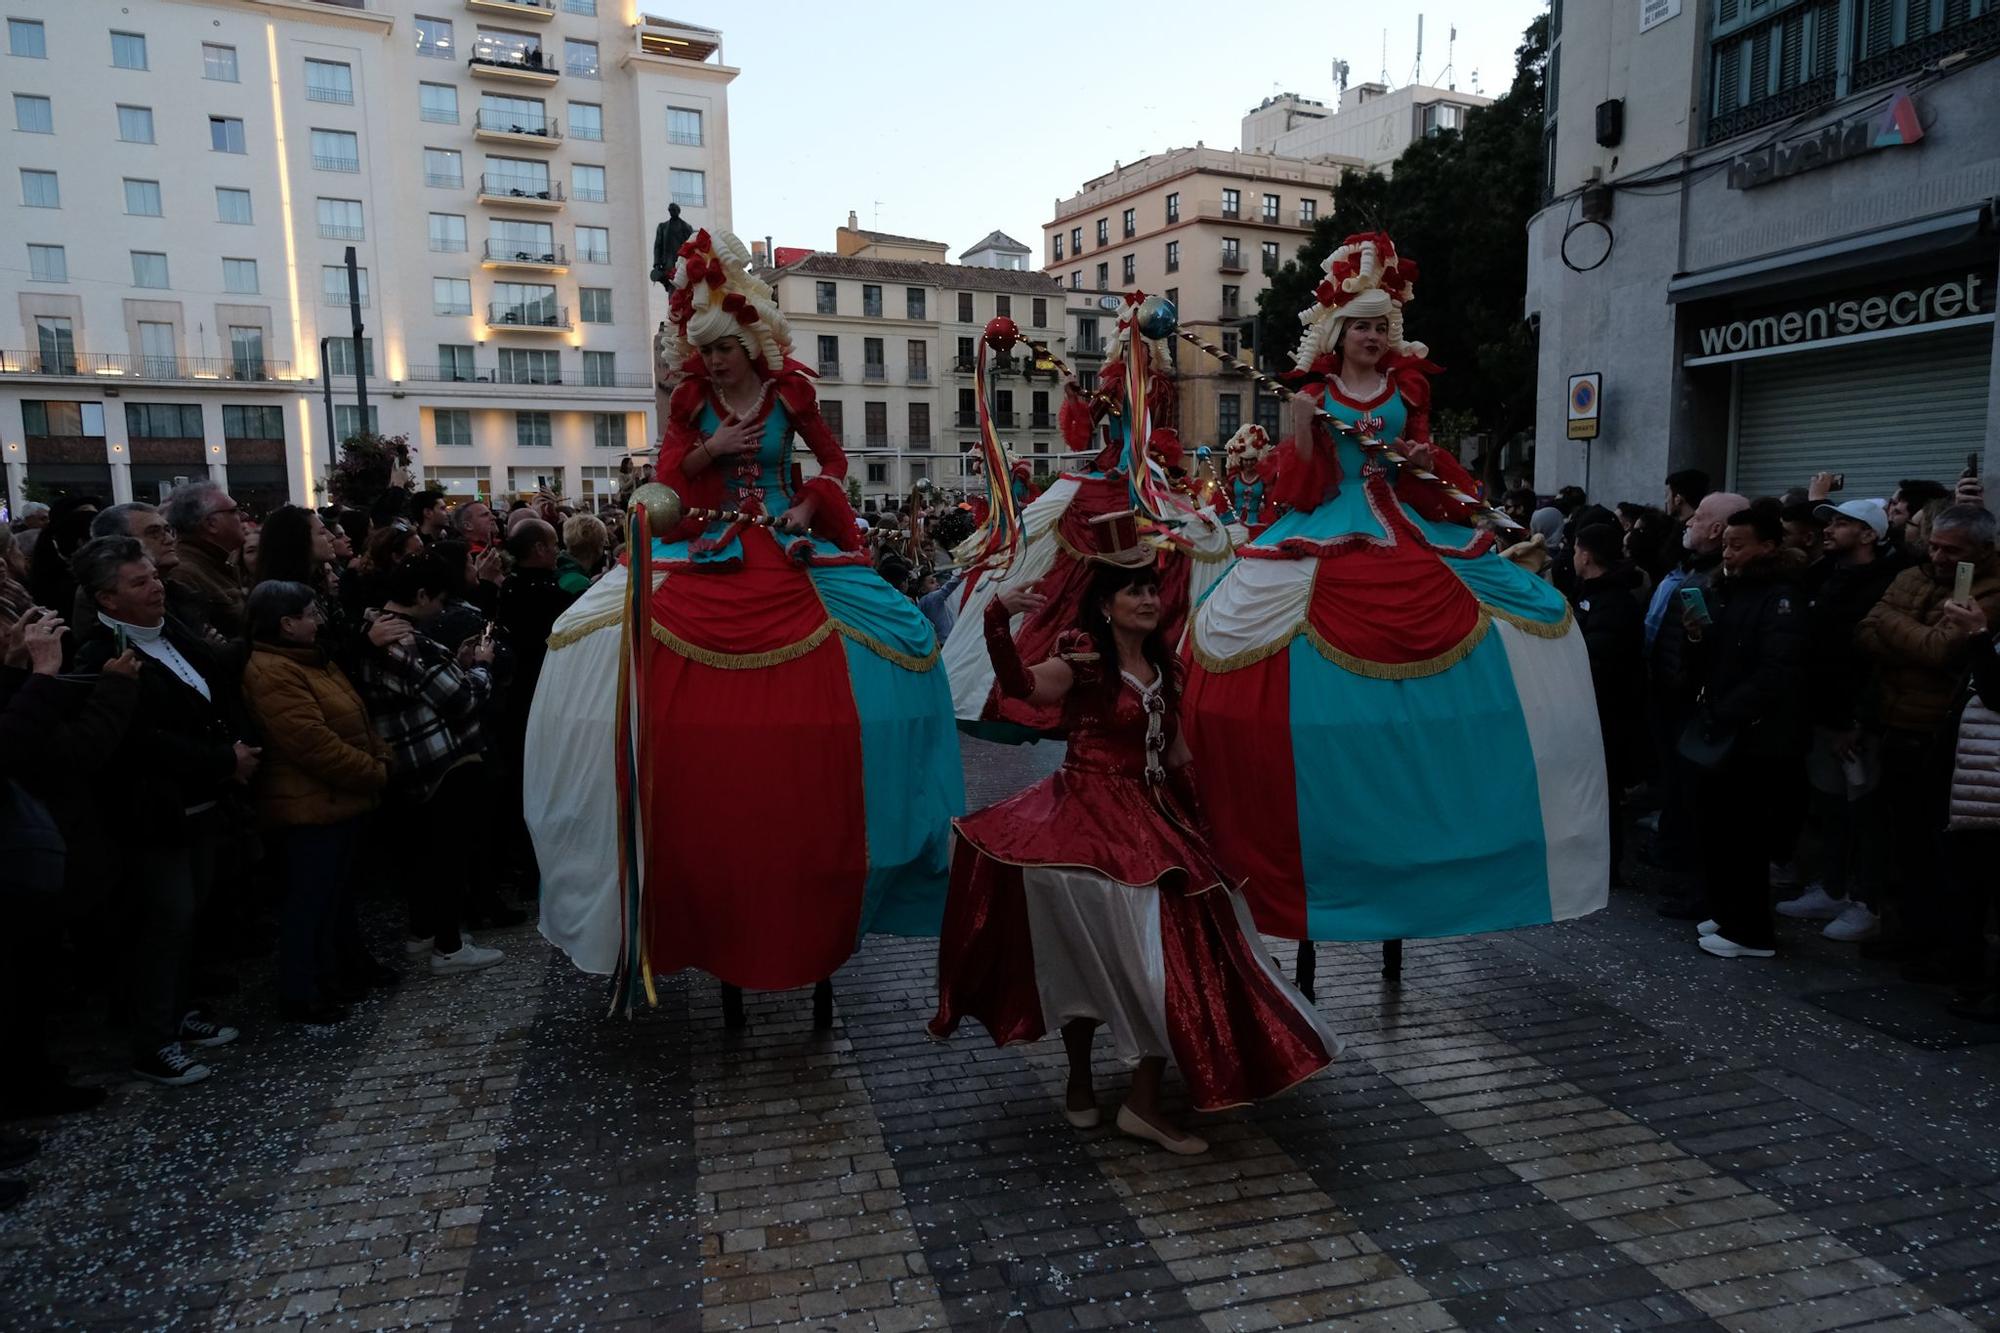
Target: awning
1925, 237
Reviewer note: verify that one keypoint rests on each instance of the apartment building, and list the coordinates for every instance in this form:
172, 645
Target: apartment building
1373, 122
893, 331
191, 174
1204, 227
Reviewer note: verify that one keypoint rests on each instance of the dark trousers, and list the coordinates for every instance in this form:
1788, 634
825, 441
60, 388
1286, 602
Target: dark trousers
1789, 800
1674, 842
1732, 817
1972, 891
174, 880
440, 854
319, 934
1910, 809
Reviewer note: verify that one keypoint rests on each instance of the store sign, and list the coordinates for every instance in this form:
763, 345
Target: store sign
1652, 13
1908, 308
1586, 402
1893, 126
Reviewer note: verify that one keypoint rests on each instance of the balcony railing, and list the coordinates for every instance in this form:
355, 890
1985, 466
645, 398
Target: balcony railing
685, 138
445, 180
535, 316
318, 93
964, 365
920, 374
1041, 421
144, 367
829, 369
875, 440
1807, 96
874, 370
1174, 264
439, 115
1089, 347
1272, 263
964, 419
340, 298
519, 187
517, 252
534, 62
689, 199
489, 375
1977, 36
588, 194
1007, 420
502, 122
1232, 262
545, 6
325, 162
1231, 310
340, 231
1231, 214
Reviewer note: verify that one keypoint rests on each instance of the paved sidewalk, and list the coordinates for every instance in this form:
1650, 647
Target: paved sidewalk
1591, 1126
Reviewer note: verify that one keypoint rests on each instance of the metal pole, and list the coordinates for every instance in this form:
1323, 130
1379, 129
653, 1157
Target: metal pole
360, 363
326, 388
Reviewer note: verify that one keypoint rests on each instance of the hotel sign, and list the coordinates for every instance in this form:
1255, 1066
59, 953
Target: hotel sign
1909, 308
1891, 126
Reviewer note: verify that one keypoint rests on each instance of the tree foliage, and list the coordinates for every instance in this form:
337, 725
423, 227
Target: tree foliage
1459, 205
368, 465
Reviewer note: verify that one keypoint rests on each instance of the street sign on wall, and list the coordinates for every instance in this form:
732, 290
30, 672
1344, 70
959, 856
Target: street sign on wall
1652, 13
1586, 398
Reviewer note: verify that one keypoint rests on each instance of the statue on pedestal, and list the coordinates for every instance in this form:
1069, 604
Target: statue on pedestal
668, 238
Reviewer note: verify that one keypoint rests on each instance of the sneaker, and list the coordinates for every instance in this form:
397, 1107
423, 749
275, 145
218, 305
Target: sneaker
469, 958
1784, 876
1815, 904
415, 947
1725, 948
197, 1030
171, 1065
1708, 927
1854, 923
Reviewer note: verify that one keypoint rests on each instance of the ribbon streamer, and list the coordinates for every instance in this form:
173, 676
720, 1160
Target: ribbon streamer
632, 978
999, 535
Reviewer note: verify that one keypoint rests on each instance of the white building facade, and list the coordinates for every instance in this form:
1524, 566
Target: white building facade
192, 173
1374, 122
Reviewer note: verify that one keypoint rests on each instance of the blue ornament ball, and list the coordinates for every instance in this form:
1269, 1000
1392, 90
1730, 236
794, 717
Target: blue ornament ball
1158, 318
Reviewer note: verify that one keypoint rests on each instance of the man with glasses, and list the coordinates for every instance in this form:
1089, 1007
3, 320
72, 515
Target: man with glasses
210, 531
136, 518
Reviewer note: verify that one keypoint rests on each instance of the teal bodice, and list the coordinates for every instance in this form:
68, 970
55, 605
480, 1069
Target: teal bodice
774, 459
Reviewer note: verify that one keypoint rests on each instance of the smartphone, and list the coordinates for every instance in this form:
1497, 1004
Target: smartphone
1840, 481
1961, 590
1697, 605
1971, 465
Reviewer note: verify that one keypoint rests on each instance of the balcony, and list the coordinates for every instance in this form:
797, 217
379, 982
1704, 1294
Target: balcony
532, 67
919, 374
525, 191
488, 375
97, 365
1007, 420
963, 420
874, 371
335, 231
1041, 421
527, 131
1271, 264
875, 440
1089, 347
1231, 262
1211, 212
535, 11
536, 317
829, 370
445, 180
1231, 310
964, 365
327, 162
326, 92
339, 298
548, 258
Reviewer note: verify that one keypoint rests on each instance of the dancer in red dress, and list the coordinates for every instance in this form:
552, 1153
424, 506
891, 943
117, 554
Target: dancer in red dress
1092, 897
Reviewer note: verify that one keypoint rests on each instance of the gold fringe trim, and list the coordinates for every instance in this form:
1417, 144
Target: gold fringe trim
582, 630
1248, 657
1541, 629
888, 654
742, 661
1430, 666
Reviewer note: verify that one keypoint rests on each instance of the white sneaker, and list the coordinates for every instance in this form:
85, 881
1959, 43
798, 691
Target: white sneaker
1815, 904
1854, 924
1723, 948
1708, 927
1784, 876
469, 958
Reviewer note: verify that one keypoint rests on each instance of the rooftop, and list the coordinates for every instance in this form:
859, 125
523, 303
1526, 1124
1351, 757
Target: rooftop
966, 277
1321, 171
1000, 241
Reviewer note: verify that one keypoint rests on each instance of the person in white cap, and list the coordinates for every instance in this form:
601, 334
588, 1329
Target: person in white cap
1843, 764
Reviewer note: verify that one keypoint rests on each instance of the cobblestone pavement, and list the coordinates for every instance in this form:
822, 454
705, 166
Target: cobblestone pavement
1589, 1126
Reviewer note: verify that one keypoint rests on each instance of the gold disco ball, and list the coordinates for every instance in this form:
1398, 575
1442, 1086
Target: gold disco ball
662, 505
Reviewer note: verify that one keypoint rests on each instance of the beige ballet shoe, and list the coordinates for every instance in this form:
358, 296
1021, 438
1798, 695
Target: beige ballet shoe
1089, 1118
1132, 1123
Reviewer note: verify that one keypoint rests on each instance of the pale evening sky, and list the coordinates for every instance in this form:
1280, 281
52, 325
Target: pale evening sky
947, 121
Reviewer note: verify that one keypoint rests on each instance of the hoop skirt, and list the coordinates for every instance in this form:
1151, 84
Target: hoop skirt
1089, 895
1422, 705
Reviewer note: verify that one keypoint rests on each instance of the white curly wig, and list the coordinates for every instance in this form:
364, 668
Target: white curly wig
1355, 288
742, 306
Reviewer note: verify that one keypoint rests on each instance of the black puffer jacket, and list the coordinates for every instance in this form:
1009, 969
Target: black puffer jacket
1838, 673
1750, 663
1613, 622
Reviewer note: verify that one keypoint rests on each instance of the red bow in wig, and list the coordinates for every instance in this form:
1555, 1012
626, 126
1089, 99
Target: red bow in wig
697, 244
736, 304
680, 307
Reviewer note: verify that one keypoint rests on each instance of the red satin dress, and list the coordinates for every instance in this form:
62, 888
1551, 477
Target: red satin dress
1093, 895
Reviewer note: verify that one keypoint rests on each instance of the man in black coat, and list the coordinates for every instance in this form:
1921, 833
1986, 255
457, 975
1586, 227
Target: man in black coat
1746, 659
530, 600
1614, 631
188, 740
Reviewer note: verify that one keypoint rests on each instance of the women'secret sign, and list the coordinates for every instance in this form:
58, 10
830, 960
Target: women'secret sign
1969, 296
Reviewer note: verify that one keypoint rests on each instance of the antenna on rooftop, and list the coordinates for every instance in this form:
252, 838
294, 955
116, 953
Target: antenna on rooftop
1417, 69
877, 223
1340, 74
1450, 50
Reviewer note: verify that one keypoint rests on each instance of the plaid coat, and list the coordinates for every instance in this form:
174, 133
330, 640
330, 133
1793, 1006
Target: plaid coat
425, 708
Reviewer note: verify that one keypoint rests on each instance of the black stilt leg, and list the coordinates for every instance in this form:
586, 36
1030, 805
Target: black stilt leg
1392, 960
1308, 966
823, 1006
733, 1016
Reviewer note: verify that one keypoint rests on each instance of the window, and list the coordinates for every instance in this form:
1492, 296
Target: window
915, 303
333, 284
968, 350
128, 50
451, 426
218, 63
447, 232
444, 168
965, 307
142, 198
531, 430
580, 58
586, 120
1003, 305
826, 298
875, 424
55, 340
246, 352
1174, 207
1267, 413
689, 189
1058, 246
600, 369
34, 115
329, 81
872, 366
149, 269
1232, 298
39, 189
47, 263
1104, 231
437, 103
588, 8
340, 356
1128, 269
920, 423
451, 296
347, 421
156, 348
517, 177
1038, 410
1131, 221
830, 412
84, 420
25, 38
163, 421
1441, 116
333, 150
135, 124
918, 354
684, 126
607, 430
1076, 279
1173, 256
434, 39
240, 276
586, 183
593, 245
523, 365
1228, 414
1103, 276
829, 354
1271, 259
1076, 240
1766, 66
1232, 253
594, 304
455, 364
340, 219
871, 300
1271, 207
1232, 203
1086, 334
225, 135
1308, 210
252, 423
1039, 316
1229, 342
878, 474
232, 205
513, 115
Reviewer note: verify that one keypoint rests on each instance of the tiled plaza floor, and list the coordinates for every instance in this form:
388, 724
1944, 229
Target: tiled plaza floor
1590, 1126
